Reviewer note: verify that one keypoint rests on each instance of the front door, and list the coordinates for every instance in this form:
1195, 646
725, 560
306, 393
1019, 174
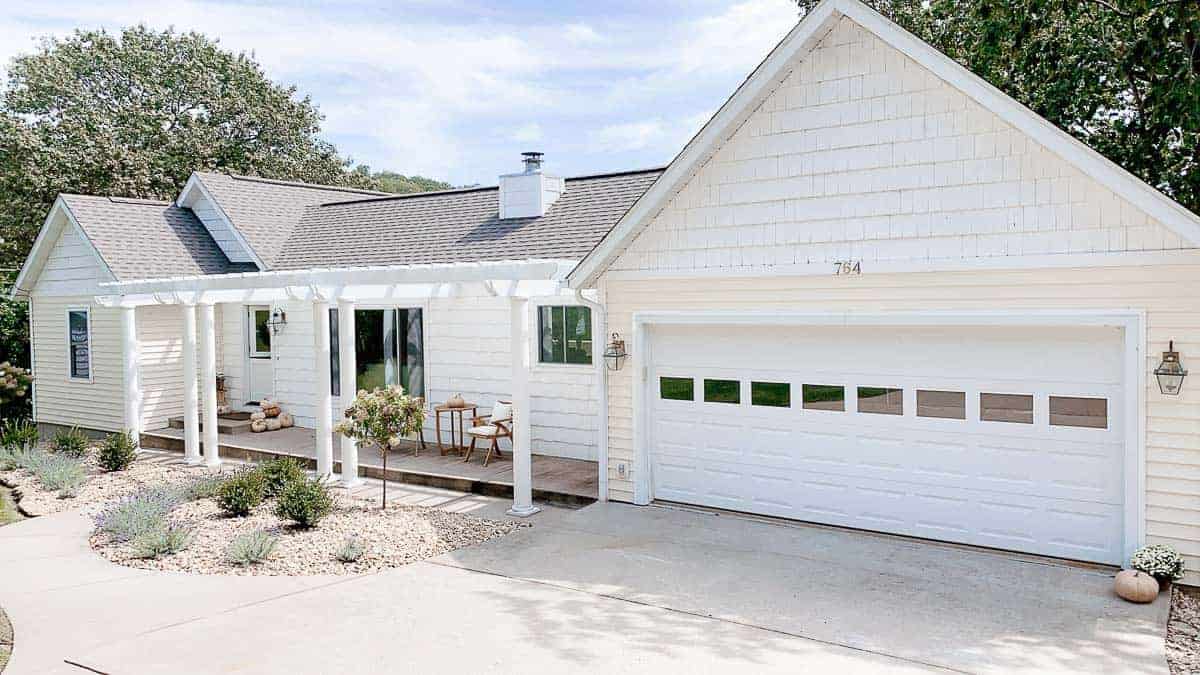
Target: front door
259, 367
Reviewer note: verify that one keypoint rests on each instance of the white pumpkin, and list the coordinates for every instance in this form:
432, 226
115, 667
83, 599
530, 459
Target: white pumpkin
273, 424
285, 420
1136, 586
258, 426
258, 416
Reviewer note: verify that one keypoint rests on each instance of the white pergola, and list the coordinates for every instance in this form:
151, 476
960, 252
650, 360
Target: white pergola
197, 295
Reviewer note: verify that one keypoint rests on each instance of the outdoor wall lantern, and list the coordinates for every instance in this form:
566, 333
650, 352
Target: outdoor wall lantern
615, 354
277, 321
1170, 372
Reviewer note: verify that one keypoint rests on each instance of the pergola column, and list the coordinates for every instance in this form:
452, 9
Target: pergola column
191, 403
522, 453
348, 372
131, 355
208, 384
324, 398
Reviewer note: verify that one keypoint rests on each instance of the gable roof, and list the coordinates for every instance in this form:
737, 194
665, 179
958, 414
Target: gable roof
795, 46
264, 212
132, 238
459, 226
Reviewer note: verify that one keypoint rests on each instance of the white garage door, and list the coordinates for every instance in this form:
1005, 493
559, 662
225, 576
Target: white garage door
1002, 437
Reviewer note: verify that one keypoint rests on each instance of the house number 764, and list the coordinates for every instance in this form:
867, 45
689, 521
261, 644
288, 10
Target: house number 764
845, 267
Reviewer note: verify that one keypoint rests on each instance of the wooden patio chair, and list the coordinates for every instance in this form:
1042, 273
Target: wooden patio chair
492, 428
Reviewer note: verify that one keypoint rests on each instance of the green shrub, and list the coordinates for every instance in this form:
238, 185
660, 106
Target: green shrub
305, 502
167, 540
70, 442
117, 452
279, 473
18, 457
241, 493
351, 550
252, 547
22, 434
142, 512
60, 473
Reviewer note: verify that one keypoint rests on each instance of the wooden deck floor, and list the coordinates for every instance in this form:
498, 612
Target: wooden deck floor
567, 481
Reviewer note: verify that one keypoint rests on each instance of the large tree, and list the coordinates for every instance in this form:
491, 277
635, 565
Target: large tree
1123, 76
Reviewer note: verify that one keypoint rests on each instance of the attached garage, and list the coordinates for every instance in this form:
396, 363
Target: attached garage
1003, 436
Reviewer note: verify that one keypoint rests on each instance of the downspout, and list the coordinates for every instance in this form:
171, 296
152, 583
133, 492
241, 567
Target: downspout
599, 328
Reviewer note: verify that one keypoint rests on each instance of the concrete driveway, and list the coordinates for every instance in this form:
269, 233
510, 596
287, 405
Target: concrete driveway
607, 588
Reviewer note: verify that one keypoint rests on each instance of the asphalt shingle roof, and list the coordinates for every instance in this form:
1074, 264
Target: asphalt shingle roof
266, 211
145, 239
459, 226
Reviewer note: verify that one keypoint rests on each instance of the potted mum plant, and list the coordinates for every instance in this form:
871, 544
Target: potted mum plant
383, 418
1159, 561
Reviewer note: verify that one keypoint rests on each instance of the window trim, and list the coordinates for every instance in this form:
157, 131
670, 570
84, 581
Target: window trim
87, 313
535, 345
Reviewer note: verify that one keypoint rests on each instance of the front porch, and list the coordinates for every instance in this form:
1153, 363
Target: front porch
557, 480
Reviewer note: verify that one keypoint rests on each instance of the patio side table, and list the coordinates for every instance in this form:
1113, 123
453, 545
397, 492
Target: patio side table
461, 413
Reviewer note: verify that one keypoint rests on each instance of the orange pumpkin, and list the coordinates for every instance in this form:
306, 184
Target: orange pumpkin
1136, 586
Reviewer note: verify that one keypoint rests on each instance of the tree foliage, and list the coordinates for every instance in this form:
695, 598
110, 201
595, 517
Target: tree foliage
1123, 76
390, 181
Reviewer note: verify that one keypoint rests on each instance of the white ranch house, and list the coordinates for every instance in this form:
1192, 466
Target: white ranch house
872, 292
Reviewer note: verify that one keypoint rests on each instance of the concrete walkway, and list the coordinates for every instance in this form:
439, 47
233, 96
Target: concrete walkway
606, 588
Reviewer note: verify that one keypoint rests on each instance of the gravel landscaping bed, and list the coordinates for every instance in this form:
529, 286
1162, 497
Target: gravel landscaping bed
100, 486
6, 640
1183, 630
398, 536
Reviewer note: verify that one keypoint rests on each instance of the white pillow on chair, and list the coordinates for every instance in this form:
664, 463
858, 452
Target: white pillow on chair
501, 411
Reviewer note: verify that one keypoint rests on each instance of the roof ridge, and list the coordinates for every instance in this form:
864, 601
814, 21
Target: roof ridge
484, 188
300, 184
138, 201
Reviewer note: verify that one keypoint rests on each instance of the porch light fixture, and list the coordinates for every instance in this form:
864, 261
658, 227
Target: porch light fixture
277, 321
1170, 372
615, 354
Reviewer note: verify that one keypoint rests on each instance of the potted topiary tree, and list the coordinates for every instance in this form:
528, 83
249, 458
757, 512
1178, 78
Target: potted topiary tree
383, 418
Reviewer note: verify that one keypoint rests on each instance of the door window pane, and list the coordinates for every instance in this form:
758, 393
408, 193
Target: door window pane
370, 349
677, 388
951, 405
80, 341
1072, 411
824, 397
335, 363
771, 394
880, 401
262, 332
1016, 408
722, 391
410, 332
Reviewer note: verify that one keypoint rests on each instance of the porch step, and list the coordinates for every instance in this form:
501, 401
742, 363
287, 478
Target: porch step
225, 425
488, 488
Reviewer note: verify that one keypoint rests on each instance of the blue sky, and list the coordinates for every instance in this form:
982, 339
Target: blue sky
456, 89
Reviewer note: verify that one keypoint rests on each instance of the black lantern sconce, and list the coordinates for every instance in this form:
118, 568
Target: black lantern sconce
277, 321
1170, 372
615, 354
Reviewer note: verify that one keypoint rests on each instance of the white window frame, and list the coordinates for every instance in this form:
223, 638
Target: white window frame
87, 313
535, 345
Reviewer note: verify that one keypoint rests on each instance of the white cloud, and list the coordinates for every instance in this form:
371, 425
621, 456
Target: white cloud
581, 33
527, 133
627, 136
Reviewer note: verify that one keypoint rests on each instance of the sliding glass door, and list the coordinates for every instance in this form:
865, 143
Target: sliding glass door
389, 348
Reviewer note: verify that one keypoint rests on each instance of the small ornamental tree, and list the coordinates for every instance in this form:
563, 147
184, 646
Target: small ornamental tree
383, 418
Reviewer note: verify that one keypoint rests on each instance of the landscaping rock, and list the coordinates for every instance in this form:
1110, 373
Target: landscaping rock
1183, 630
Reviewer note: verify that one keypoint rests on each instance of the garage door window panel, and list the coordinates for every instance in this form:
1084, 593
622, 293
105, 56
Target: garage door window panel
881, 400
1012, 408
677, 388
771, 394
950, 405
824, 397
722, 391
1076, 411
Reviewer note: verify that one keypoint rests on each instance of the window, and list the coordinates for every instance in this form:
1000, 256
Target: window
260, 328
565, 334
79, 343
824, 397
677, 388
951, 405
1016, 408
722, 391
389, 349
880, 401
771, 394
1072, 411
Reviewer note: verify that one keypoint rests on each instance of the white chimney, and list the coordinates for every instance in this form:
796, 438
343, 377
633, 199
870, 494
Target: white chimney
530, 193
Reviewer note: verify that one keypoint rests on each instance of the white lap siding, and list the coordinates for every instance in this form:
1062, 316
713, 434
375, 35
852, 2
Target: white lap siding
466, 352
96, 404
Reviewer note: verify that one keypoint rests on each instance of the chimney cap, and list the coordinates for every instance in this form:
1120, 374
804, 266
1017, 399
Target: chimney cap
533, 160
